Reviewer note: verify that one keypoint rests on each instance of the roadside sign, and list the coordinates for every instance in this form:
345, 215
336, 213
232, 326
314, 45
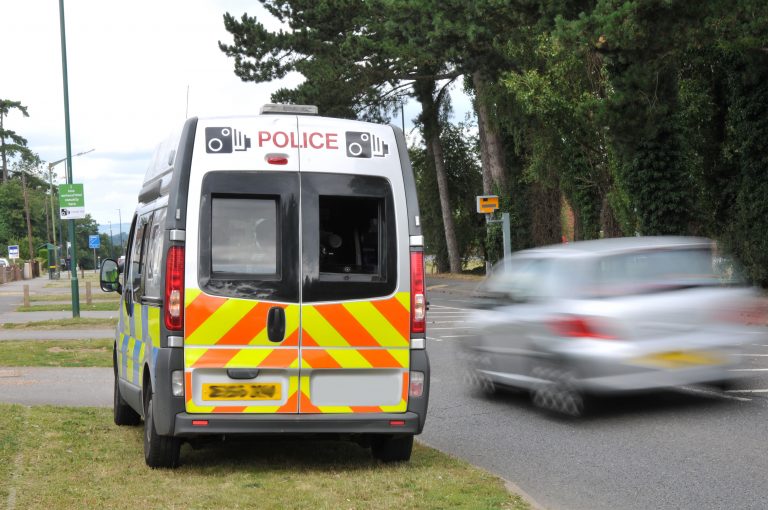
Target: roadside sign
13, 251
486, 204
71, 201
94, 242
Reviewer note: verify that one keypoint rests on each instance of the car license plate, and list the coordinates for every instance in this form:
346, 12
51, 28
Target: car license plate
680, 359
249, 391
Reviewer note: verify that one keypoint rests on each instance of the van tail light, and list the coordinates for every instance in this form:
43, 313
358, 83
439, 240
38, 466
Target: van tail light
418, 296
174, 289
574, 326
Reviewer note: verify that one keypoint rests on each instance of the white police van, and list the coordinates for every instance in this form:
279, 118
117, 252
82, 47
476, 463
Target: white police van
274, 283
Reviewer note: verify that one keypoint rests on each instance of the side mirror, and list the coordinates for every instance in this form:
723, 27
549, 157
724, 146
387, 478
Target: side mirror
109, 277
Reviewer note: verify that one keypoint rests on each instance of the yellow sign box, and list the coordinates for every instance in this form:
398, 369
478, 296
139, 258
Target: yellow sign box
486, 204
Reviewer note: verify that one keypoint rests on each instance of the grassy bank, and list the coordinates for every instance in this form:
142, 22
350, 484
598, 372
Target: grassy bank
78, 323
56, 353
76, 458
110, 306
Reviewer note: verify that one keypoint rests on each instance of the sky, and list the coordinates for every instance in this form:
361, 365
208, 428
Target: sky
129, 66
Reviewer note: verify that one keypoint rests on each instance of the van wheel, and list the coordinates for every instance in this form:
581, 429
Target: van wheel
123, 413
557, 391
392, 448
159, 451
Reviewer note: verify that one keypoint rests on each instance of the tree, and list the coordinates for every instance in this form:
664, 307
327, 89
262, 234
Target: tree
18, 143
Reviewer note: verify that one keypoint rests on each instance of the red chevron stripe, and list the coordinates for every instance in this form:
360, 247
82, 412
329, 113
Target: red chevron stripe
228, 409
379, 358
215, 358
188, 386
365, 409
307, 340
248, 327
347, 326
305, 406
290, 406
199, 310
397, 315
318, 358
280, 358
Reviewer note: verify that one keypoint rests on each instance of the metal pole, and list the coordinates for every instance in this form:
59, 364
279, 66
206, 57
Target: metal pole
53, 218
120, 218
73, 260
111, 243
506, 234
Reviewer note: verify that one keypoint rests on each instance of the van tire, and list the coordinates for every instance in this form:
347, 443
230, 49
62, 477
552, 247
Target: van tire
123, 413
159, 451
392, 448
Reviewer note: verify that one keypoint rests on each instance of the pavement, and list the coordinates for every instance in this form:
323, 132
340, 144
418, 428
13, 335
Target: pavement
93, 386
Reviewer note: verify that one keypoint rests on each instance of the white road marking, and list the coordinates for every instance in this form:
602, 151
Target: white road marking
749, 370
457, 327
715, 394
756, 355
456, 336
747, 391
434, 339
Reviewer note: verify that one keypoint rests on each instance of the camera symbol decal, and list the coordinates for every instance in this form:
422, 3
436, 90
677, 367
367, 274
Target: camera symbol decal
365, 145
223, 140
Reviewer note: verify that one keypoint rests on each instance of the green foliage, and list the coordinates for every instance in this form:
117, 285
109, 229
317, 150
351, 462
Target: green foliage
465, 183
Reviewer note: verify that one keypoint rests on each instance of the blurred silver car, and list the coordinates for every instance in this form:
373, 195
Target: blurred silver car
612, 315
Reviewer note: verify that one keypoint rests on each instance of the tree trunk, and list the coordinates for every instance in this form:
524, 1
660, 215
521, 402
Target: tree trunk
490, 140
2, 150
26, 210
430, 109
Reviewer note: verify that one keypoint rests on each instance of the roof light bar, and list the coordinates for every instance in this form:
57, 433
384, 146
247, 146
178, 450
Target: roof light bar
293, 109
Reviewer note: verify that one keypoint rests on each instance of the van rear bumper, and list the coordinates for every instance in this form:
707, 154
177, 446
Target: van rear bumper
379, 423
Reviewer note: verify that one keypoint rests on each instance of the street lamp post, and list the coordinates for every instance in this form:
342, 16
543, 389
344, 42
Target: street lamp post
73, 260
111, 242
50, 183
120, 219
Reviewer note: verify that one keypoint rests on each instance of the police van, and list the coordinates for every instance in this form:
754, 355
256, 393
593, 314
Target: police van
274, 283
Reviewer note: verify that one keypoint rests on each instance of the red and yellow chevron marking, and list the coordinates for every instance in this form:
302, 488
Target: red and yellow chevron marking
355, 358
383, 323
214, 320
307, 407
249, 357
289, 406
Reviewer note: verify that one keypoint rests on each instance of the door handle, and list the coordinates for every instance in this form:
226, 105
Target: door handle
276, 324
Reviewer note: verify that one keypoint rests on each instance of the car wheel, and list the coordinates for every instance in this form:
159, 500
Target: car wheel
556, 392
123, 413
159, 451
392, 448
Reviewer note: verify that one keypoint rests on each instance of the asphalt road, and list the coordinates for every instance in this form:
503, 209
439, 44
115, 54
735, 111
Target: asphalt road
693, 448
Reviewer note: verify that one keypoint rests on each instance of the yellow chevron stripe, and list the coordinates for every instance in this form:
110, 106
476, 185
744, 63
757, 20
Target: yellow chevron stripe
405, 299
221, 321
377, 325
320, 329
129, 358
153, 324
399, 408
335, 409
403, 356
137, 320
192, 354
249, 358
190, 294
348, 358
142, 349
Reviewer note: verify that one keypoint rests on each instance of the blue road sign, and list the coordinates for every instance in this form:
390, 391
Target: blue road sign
13, 251
94, 242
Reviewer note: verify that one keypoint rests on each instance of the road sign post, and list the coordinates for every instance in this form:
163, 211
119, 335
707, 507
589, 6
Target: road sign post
13, 251
488, 204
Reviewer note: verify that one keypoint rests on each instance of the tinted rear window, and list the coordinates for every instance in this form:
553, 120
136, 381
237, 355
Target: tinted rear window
244, 232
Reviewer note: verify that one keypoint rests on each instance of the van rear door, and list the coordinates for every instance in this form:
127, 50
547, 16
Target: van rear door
355, 302
242, 324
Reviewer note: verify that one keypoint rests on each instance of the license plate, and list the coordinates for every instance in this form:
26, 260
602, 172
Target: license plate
680, 359
249, 391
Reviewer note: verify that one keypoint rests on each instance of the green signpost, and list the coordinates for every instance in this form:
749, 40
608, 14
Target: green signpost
71, 202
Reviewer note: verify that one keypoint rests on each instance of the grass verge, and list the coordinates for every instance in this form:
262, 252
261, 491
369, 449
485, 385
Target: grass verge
56, 353
77, 458
96, 296
73, 323
111, 306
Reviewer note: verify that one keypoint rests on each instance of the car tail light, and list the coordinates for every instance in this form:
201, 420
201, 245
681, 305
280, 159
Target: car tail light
174, 289
417, 384
574, 326
418, 298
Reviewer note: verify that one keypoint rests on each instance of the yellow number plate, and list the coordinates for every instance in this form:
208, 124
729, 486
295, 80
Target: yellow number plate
249, 391
680, 359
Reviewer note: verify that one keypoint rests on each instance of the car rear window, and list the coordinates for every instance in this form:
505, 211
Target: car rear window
653, 271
